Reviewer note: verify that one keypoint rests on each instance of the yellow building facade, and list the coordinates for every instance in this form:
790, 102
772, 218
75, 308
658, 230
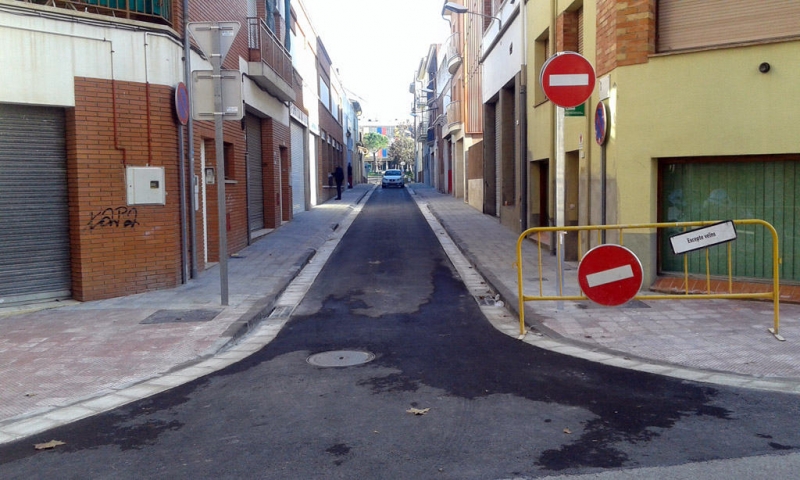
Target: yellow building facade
702, 104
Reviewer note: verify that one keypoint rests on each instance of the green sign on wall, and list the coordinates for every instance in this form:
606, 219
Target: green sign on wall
579, 111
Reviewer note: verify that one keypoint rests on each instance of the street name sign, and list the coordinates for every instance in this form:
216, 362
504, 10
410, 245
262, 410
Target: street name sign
704, 237
610, 275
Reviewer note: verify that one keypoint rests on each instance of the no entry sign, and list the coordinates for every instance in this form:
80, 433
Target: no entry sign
610, 275
567, 79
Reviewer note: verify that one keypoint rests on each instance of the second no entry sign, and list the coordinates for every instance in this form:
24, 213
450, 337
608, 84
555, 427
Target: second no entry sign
610, 275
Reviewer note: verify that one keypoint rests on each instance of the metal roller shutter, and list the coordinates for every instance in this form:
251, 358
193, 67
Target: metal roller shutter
688, 24
731, 188
298, 178
34, 213
255, 175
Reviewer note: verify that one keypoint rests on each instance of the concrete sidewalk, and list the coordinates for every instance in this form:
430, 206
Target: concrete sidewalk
61, 364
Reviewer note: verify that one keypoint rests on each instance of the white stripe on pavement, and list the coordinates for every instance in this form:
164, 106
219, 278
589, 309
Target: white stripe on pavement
609, 276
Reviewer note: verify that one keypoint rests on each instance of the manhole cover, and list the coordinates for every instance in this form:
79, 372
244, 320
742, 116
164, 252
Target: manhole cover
340, 358
180, 316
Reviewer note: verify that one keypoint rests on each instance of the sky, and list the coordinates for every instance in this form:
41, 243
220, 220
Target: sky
377, 45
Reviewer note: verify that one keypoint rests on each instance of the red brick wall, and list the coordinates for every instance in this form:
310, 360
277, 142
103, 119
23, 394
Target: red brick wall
567, 32
275, 139
626, 33
119, 249
329, 156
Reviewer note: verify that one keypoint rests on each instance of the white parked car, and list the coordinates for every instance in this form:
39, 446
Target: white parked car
392, 178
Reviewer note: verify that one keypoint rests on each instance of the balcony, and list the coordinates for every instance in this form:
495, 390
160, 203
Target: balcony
454, 118
155, 11
270, 65
422, 131
453, 53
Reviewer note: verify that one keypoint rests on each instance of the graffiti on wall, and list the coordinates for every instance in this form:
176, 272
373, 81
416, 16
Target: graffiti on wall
124, 217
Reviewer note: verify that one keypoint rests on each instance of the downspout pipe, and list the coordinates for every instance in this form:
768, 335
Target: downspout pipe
187, 54
287, 40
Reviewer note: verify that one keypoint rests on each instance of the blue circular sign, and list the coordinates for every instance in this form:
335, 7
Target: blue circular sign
182, 106
600, 123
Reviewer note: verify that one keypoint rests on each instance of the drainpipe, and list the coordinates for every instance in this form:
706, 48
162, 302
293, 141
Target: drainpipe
187, 54
287, 41
522, 111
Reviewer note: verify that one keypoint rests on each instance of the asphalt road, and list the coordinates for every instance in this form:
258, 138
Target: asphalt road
490, 407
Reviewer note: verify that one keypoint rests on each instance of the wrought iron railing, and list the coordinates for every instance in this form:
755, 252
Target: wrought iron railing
268, 48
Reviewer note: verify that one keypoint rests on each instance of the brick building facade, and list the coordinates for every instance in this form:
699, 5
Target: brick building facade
117, 97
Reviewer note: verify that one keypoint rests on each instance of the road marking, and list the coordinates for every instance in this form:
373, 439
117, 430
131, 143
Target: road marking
565, 80
609, 276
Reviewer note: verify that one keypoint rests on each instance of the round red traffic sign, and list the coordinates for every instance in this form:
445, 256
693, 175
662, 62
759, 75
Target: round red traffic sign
567, 79
610, 275
182, 105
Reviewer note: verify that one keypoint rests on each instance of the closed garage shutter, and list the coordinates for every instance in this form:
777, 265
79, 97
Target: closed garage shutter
255, 175
298, 168
34, 215
734, 188
689, 24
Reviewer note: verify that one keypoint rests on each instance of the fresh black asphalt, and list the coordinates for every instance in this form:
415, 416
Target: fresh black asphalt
492, 407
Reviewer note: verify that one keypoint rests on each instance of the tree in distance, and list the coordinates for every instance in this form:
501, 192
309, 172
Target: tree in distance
402, 148
373, 142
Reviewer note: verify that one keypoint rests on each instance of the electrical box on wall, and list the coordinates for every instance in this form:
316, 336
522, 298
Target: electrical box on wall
146, 186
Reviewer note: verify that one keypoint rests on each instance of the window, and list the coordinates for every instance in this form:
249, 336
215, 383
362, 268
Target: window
230, 158
324, 93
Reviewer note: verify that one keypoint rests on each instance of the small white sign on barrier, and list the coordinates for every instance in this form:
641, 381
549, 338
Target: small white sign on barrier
703, 237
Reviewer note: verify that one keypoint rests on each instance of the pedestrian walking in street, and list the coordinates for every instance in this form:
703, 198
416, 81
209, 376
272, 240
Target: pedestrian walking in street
338, 175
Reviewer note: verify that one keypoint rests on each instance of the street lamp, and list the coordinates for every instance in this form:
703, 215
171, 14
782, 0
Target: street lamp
459, 9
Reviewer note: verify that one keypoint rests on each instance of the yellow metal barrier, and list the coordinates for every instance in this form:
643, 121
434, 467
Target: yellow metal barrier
773, 295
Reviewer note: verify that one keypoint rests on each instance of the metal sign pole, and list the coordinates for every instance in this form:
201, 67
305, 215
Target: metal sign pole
215, 39
216, 65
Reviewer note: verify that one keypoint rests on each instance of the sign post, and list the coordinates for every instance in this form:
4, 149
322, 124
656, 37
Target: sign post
568, 80
215, 39
610, 275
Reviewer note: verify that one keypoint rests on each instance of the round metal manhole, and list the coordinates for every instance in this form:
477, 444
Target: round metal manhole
340, 358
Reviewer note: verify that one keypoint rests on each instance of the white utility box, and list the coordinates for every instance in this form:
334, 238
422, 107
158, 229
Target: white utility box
146, 186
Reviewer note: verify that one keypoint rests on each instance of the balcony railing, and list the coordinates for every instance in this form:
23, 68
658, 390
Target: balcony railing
453, 53
265, 47
158, 11
453, 111
422, 131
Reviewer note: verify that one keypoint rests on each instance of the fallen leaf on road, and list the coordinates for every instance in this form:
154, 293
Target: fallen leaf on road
417, 411
567, 431
48, 445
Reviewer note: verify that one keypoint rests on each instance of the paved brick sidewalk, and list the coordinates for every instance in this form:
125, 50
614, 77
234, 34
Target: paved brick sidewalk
708, 335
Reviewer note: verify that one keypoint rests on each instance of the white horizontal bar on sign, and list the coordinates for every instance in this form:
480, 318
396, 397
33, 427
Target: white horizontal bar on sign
609, 276
569, 80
